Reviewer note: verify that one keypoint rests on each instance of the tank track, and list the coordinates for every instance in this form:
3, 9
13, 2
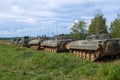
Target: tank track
52, 50
94, 56
88, 55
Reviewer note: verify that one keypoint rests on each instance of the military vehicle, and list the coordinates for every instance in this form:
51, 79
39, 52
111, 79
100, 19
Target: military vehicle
95, 47
21, 41
24, 41
13, 41
16, 41
36, 43
57, 44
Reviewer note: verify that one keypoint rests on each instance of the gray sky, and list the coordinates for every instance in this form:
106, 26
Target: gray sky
39, 17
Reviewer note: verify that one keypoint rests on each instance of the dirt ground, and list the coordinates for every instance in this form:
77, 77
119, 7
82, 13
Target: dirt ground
5, 42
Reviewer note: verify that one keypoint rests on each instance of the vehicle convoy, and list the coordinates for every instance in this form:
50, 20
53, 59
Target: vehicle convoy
96, 47
57, 44
36, 43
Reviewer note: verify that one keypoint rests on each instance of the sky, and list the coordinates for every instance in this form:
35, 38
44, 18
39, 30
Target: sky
50, 17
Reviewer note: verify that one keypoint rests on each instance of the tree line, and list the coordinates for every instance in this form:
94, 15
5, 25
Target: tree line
79, 31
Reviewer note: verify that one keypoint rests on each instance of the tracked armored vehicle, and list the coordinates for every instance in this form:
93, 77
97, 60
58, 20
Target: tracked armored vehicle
36, 43
95, 47
24, 41
16, 41
21, 41
56, 45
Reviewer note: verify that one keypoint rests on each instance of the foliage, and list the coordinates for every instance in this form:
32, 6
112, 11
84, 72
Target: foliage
98, 23
115, 28
78, 30
26, 37
18, 63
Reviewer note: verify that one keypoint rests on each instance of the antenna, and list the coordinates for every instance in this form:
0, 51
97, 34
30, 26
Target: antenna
94, 16
118, 19
94, 9
40, 32
56, 27
62, 31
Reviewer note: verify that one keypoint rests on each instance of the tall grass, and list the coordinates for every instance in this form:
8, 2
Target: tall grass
18, 63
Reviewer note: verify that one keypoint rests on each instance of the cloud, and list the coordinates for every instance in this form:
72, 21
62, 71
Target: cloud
27, 20
28, 17
15, 9
6, 15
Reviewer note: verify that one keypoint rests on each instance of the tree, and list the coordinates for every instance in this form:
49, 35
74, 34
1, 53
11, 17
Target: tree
78, 30
26, 37
98, 23
115, 27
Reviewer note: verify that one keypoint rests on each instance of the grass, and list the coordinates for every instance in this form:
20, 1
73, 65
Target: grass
18, 63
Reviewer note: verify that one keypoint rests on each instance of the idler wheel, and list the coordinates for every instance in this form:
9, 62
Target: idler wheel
55, 50
77, 53
95, 56
74, 52
45, 49
88, 56
80, 55
48, 50
84, 55
51, 50
92, 58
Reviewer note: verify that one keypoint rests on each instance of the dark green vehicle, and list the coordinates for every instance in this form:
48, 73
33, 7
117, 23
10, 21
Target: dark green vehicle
57, 44
36, 43
16, 41
95, 47
21, 41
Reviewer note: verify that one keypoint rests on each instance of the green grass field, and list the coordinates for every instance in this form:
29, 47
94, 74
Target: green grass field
18, 63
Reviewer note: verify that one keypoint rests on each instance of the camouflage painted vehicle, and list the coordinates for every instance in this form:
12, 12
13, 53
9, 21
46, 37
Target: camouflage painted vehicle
16, 41
56, 45
36, 43
24, 42
95, 47
21, 41
13, 41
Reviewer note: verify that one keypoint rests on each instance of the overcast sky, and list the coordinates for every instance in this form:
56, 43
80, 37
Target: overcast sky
39, 17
